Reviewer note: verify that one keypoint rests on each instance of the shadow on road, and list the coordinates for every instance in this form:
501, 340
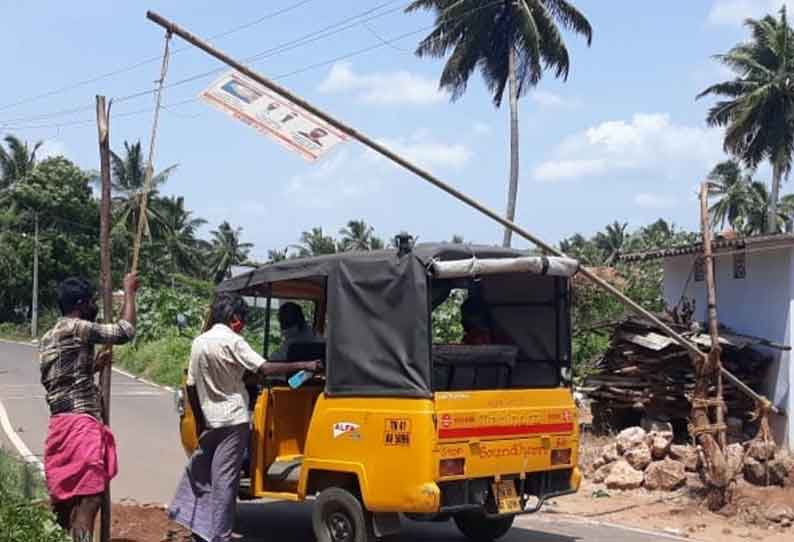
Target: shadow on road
271, 522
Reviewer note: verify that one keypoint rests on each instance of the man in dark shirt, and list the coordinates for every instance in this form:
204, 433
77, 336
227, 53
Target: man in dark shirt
80, 455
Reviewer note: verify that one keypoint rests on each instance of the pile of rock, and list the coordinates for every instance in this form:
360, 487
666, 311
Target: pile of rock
640, 458
646, 457
763, 466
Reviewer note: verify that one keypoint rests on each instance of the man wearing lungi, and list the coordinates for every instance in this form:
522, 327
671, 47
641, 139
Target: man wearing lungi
80, 451
206, 497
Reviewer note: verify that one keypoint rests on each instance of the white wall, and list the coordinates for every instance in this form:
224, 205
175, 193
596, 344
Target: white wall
760, 305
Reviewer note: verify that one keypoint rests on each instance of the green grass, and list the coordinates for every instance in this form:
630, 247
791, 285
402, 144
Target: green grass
19, 478
14, 332
24, 515
162, 360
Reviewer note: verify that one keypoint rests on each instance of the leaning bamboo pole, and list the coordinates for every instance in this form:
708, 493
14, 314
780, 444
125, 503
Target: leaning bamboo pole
693, 350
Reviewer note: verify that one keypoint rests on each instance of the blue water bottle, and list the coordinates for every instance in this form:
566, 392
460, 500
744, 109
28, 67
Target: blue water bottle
298, 379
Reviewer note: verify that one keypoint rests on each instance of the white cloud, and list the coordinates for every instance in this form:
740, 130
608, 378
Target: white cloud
383, 88
734, 12
51, 148
426, 152
339, 177
650, 200
555, 170
647, 142
550, 100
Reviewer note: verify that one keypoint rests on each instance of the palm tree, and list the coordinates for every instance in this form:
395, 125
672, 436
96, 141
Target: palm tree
732, 186
177, 234
611, 241
759, 110
226, 250
128, 186
315, 243
277, 255
358, 235
17, 161
511, 42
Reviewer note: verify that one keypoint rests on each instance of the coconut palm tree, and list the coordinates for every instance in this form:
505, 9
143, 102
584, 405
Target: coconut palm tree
315, 243
358, 235
512, 42
611, 241
733, 187
277, 255
17, 161
758, 111
226, 250
127, 182
177, 233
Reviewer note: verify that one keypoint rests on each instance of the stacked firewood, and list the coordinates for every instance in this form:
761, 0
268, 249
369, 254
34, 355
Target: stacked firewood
644, 370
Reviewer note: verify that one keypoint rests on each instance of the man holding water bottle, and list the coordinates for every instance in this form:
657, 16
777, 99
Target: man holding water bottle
206, 496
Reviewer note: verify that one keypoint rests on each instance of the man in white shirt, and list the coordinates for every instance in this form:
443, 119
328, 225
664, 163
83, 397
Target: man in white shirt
294, 329
206, 496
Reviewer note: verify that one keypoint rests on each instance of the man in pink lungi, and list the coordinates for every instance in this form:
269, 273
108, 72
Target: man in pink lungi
80, 452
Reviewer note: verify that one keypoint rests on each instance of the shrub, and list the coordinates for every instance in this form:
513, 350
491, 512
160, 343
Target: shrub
162, 360
21, 519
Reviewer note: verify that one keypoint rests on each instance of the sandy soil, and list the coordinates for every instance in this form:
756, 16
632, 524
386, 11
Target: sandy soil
136, 523
682, 514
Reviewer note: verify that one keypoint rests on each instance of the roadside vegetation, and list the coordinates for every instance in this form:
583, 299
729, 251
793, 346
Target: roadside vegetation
24, 510
184, 257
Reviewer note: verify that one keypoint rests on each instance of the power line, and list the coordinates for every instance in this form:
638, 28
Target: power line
381, 43
150, 60
311, 37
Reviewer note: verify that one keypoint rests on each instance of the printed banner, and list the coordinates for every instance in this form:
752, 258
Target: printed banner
273, 115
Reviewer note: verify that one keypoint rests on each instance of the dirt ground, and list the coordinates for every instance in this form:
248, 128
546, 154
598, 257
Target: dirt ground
676, 514
136, 523
681, 514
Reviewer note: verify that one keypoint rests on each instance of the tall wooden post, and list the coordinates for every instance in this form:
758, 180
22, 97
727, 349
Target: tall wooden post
704, 404
102, 113
34, 322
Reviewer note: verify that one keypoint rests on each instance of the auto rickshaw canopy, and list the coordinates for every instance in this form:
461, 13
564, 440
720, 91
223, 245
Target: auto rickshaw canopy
378, 306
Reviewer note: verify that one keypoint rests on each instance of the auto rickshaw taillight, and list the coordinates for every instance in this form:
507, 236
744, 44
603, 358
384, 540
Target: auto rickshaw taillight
561, 456
452, 467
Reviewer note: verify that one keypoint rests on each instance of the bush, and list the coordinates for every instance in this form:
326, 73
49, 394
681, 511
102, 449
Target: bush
21, 519
162, 360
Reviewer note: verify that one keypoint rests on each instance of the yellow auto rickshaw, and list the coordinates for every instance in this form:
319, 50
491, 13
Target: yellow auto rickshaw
400, 428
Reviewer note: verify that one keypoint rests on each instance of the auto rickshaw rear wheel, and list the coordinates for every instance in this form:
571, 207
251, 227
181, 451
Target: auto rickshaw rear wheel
339, 516
480, 528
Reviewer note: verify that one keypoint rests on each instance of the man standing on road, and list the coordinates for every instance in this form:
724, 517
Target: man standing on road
206, 497
80, 451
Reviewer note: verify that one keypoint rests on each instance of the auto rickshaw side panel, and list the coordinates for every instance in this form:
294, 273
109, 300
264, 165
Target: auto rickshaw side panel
386, 443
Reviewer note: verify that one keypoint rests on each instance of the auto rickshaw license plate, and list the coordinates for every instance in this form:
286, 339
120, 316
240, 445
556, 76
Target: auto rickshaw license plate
506, 498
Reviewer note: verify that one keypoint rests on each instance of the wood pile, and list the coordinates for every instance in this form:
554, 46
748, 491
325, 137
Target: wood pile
647, 372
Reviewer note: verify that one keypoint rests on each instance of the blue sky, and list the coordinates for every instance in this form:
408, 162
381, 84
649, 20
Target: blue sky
623, 139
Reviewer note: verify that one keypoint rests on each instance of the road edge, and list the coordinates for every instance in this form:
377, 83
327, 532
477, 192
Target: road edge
586, 521
34, 344
16, 440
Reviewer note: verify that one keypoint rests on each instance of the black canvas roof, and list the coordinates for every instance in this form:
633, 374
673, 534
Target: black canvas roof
322, 266
378, 312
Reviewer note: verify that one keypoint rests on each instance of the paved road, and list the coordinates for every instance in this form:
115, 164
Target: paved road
272, 522
151, 459
143, 419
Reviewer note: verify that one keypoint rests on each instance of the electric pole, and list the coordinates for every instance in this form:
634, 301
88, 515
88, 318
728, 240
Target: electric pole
34, 323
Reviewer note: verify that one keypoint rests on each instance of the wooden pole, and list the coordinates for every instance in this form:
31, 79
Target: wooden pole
438, 183
103, 128
34, 323
715, 355
149, 170
707, 370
